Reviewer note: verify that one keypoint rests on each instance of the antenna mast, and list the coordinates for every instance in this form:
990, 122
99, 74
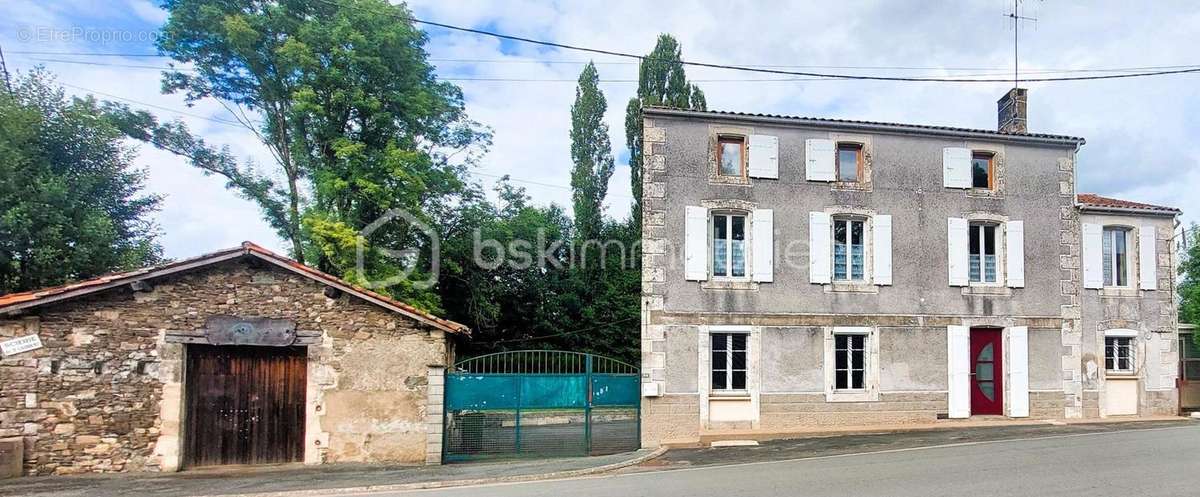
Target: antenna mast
1016, 17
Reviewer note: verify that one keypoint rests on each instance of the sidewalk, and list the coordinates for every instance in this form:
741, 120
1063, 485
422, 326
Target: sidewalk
827, 444
298, 479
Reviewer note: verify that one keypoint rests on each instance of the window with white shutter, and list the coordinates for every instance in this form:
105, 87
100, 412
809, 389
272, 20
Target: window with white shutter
818, 247
762, 244
956, 247
882, 250
764, 156
1014, 250
696, 243
1093, 255
956, 167
819, 160
1147, 258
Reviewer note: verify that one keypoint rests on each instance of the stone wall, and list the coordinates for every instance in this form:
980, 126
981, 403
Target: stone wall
105, 393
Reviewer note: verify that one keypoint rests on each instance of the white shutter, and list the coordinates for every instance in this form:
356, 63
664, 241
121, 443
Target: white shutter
1148, 257
764, 156
957, 250
1093, 255
1018, 372
696, 244
818, 160
882, 250
818, 247
1014, 248
956, 167
958, 364
762, 242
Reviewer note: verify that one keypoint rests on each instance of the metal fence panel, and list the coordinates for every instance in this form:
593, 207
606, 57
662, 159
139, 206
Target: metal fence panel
540, 404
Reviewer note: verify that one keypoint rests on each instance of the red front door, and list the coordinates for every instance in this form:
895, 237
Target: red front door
987, 387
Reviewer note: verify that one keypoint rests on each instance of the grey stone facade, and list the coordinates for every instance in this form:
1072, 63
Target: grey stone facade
788, 320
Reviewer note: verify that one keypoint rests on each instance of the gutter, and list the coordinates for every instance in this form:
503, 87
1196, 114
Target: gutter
1127, 210
904, 129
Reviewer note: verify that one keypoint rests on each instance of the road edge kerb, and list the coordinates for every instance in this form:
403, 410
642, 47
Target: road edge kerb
556, 475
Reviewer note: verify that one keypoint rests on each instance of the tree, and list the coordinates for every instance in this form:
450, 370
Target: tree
71, 203
592, 154
351, 111
661, 82
1189, 284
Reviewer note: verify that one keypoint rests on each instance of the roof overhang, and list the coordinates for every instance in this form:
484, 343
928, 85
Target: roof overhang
246, 250
1101, 209
868, 126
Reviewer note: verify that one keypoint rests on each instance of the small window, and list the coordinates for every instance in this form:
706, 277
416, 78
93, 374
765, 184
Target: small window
849, 361
982, 171
1116, 257
982, 243
1118, 354
731, 152
1189, 356
728, 361
848, 249
729, 245
849, 161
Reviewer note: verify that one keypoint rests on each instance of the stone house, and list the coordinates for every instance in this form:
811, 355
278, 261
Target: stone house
238, 356
800, 272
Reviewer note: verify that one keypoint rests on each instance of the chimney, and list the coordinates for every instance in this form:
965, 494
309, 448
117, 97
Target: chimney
1011, 111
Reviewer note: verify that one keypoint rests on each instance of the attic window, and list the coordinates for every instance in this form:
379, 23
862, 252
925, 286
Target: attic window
731, 153
982, 170
849, 161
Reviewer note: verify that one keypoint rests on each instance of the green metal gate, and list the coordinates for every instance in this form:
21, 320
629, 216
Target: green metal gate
539, 403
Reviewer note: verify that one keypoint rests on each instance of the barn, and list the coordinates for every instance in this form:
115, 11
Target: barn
240, 356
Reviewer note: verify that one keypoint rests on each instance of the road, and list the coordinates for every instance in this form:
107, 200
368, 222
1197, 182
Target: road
1153, 462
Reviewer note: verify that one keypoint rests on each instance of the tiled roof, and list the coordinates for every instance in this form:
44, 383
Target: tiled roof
53, 294
1097, 201
897, 126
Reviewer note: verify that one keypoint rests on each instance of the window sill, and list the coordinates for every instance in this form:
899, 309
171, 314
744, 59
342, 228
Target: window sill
729, 180
851, 287
1114, 291
729, 285
1120, 375
853, 186
731, 395
984, 193
993, 290
852, 396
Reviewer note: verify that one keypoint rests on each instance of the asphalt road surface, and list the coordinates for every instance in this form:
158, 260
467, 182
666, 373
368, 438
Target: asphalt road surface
1153, 462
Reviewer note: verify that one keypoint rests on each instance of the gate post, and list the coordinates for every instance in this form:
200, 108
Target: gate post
587, 409
435, 401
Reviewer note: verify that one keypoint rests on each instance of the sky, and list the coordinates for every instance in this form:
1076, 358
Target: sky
1141, 133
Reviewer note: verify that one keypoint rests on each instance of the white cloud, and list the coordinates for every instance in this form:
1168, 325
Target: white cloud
1139, 131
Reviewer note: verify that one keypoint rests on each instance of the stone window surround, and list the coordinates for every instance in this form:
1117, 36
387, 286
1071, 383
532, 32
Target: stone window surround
1000, 286
867, 285
998, 164
704, 368
864, 182
716, 131
739, 207
870, 391
1132, 251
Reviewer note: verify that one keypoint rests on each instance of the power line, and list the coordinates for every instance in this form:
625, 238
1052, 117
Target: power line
159, 107
991, 70
615, 53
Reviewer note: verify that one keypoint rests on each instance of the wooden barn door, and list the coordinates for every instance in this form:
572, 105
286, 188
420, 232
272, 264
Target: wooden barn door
245, 405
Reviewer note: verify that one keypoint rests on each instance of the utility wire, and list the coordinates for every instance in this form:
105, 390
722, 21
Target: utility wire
614, 53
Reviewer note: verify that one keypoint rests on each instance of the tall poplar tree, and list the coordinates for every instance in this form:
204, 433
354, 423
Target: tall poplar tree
661, 82
591, 152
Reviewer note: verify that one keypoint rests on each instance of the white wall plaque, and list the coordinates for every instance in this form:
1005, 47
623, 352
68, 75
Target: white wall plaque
20, 344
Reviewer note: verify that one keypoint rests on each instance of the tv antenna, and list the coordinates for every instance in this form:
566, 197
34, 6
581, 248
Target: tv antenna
1016, 17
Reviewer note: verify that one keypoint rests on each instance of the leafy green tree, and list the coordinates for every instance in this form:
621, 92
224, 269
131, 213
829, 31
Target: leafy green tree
71, 202
351, 111
592, 154
661, 82
1189, 284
